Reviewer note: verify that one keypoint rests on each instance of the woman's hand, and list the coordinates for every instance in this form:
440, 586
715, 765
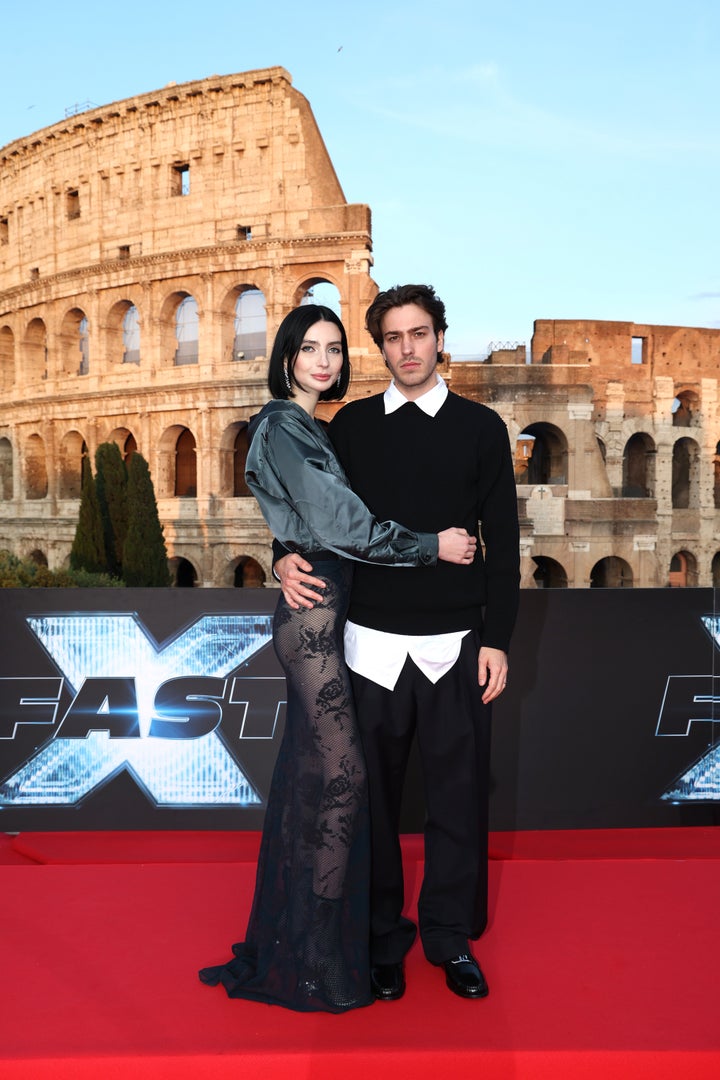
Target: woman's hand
457, 546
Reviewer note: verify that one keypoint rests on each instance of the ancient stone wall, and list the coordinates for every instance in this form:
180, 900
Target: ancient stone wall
615, 428
148, 251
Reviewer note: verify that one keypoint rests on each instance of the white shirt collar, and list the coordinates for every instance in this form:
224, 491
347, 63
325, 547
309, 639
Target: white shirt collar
430, 402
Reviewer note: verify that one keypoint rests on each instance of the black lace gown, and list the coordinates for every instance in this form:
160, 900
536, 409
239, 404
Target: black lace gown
306, 945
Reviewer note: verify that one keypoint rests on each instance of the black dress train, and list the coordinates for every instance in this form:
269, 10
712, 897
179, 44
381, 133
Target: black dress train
307, 942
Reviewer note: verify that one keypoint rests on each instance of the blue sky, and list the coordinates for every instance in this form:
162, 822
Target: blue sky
530, 160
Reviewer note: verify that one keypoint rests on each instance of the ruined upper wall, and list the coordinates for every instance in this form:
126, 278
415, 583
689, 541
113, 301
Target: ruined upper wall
631, 355
190, 165
622, 346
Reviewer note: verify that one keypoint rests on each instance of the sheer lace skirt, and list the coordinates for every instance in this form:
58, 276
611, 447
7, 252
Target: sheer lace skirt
306, 945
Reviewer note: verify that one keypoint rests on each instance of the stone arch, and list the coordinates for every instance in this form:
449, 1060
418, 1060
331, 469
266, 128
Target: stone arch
686, 409
547, 461
685, 474
178, 463
168, 327
244, 323
123, 333
7, 358
638, 475
322, 290
233, 454
38, 557
550, 574
183, 573
35, 351
73, 449
611, 572
126, 442
186, 465
36, 475
7, 484
73, 341
683, 572
247, 573
186, 328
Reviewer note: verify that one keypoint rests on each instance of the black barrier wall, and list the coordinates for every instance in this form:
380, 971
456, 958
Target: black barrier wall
163, 709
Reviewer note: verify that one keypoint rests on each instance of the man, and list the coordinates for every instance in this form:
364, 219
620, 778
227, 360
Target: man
427, 647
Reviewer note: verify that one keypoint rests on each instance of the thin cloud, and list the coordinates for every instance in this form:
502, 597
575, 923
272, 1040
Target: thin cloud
489, 114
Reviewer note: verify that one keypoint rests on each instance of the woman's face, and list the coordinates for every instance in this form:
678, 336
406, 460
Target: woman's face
319, 360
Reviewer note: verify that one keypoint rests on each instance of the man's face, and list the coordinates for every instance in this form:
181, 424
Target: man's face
410, 348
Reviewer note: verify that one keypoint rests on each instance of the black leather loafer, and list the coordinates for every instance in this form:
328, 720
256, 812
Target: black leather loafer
387, 981
464, 977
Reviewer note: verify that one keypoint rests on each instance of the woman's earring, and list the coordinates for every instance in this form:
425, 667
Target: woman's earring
287, 378
339, 379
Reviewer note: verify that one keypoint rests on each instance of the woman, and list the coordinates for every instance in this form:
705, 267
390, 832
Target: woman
307, 939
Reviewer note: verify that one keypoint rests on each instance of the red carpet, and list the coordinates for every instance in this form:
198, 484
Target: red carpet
602, 959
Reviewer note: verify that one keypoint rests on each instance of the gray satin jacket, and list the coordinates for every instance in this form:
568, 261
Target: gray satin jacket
305, 498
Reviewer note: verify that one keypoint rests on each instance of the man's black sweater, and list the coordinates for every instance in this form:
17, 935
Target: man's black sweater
431, 473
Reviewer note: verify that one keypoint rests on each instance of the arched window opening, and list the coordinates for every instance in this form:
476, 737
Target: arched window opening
683, 571
7, 358
84, 347
187, 332
183, 573
6, 470
547, 446
325, 293
677, 578
611, 573
550, 574
250, 326
685, 409
249, 574
36, 476
716, 570
131, 336
38, 557
74, 343
72, 451
125, 442
34, 360
524, 447
185, 465
128, 449
685, 478
240, 451
638, 478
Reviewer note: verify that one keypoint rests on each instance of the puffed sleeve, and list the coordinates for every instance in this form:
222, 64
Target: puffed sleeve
300, 472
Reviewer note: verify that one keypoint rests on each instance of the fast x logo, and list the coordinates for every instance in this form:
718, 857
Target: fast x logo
689, 700
153, 710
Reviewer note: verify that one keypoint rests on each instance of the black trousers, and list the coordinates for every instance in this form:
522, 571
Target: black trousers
452, 726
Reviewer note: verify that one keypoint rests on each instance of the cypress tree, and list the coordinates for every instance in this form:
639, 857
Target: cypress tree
88, 548
144, 555
111, 481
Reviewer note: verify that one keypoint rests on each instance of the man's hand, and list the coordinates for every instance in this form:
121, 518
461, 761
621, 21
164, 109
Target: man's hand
492, 669
296, 583
457, 546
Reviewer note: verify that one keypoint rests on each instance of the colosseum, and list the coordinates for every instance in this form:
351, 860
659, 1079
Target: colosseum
149, 250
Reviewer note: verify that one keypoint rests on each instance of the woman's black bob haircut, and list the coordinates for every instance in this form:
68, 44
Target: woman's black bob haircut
290, 336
